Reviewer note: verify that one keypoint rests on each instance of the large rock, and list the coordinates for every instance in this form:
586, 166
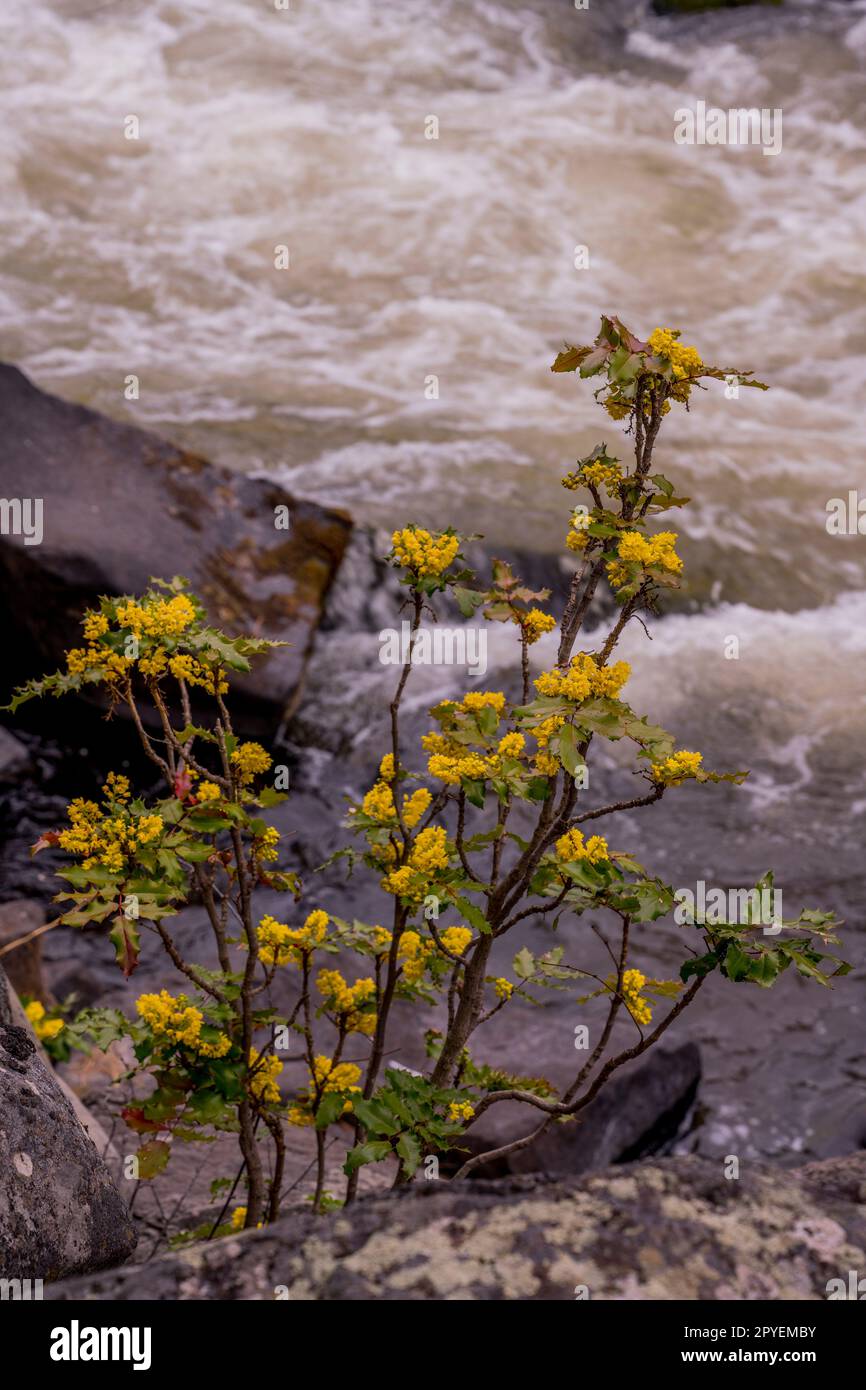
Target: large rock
671, 1229
60, 1213
120, 505
637, 1113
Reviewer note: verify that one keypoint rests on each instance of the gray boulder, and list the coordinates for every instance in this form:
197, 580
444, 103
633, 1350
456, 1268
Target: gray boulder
60, 1213
120, 505
637, 1113
669, 1229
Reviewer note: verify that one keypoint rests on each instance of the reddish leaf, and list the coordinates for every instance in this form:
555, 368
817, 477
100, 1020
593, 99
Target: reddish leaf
135, 1118
46, 839
125, 940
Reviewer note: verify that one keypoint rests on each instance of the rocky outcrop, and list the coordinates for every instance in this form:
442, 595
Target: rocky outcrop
60, 1213
119, 505
672, 1229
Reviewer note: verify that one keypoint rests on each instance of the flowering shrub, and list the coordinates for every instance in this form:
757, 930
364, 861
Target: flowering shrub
440, 835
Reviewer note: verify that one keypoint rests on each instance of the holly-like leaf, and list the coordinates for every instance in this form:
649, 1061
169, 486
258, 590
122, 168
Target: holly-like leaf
127, 945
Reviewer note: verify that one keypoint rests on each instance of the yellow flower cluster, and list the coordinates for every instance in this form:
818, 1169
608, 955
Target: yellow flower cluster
427, 856
511, 745
632, 984
578, 530
378, 804
686, 361
598, 474
156, 663
425, 553
208, 791
264, 1075
655, 552
582, 678
386, 768
570, 847
43, 1027
250, 759
535, 623
266, 845
478, 699
677, 767
348, 1000
451, 769
109, 665
326, 1077
460, 1111
157, 617
106, 840
180, 1022
116, 787
280, 944
239, 1216
545, 763
417, 952
504, 988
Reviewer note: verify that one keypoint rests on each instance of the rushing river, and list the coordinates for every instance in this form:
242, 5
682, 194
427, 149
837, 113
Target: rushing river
411, 258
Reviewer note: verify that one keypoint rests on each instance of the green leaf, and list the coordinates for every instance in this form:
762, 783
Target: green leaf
410, 1151
473, 914
524, 964
371, 1152
152, 1158
330, 1108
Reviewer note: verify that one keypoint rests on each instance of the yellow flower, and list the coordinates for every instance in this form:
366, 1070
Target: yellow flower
511, 745
208, 791
349, 1000
477, 699
386, 768
535, 623
250, 759
424, 553
415, 806
504, 988
570, 848
455, 939
460, 1111
239, 1216
650, 551
378, 804
94, 626
632, 984
686, 361
582, 678
116, 787
280, 944
452, 769
675, 769
180, 1022
264, 1074
266, 845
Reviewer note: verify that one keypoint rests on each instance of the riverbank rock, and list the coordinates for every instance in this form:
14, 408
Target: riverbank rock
672, 1229
636, 1113
119, 505
60, 1213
